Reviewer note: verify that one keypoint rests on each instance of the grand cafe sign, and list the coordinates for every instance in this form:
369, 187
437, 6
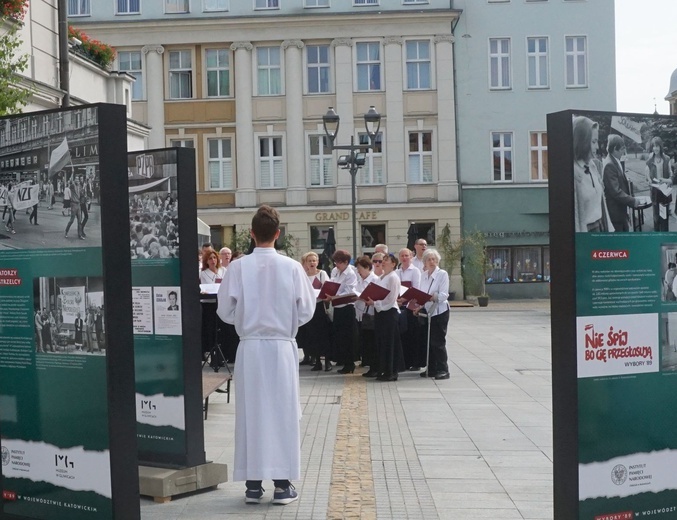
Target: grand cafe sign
335, 216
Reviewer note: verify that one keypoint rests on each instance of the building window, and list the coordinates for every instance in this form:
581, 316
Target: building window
266, 4
576, 61
538, 151
418, 65
420, 157
425, 231
372, 171
182, 143
518, 264
218, 72
372, 234
317, 3
271, 162
537, 62
499, 63
320, 161
128, 6
180, 75
318, 68
78, 8
365, 2
269, 71
177, 6
368, 66
318, 236
415, 2
220, 164
130, 62
501, 151
215, 5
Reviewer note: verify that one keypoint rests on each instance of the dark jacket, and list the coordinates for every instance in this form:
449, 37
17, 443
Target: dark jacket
617, 191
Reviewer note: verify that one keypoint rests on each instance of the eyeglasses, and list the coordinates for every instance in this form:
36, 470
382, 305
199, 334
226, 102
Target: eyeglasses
377, 261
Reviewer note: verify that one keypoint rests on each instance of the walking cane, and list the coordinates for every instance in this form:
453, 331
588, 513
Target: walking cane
427, 351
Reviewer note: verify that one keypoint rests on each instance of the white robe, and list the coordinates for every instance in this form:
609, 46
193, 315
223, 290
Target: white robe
267, 297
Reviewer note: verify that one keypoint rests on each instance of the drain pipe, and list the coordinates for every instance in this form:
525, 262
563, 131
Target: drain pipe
64, 71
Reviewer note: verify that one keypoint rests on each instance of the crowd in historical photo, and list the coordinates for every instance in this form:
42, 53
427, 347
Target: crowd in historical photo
153, 225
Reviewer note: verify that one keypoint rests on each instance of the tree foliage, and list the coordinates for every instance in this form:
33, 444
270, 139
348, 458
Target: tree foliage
13, 96
242, 240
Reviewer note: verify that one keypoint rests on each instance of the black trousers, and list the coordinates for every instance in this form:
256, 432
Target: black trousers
411, 341
345, 336
388, 344
208, 326
438, 343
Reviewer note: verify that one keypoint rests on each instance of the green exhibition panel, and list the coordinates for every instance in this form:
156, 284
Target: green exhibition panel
165, 296
614, 315
67, 417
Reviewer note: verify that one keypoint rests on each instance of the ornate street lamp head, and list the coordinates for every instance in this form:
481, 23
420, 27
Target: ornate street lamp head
331, 121
372, 123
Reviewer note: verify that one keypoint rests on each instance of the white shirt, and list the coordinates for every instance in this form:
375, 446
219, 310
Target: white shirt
208, 276
418, 263
411, 274
321, 275
360, 305
347, 279
436, 284
391, 282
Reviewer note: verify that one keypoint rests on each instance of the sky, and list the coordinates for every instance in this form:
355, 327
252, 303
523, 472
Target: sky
646, 54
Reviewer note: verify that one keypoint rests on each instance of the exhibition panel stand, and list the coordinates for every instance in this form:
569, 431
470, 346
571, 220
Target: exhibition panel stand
167, 349
67, 417
614, 315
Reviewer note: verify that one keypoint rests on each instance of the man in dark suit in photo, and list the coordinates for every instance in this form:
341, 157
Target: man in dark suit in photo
616, 185
172, 301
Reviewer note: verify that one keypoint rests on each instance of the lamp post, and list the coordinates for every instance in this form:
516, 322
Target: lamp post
356, 152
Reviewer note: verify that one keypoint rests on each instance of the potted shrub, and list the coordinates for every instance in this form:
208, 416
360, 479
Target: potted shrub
451, 253
475, 265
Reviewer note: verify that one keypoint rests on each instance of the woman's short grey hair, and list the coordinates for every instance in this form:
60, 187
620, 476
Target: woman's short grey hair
431, 253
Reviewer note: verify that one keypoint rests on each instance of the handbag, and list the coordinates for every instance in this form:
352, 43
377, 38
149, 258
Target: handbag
329, 309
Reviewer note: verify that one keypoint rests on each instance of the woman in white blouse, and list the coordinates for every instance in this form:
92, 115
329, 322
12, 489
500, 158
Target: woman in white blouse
390, 360
435, 281
365, 315
313, 337
344, 326
211, 273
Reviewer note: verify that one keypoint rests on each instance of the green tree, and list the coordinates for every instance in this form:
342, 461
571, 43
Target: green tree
13, 96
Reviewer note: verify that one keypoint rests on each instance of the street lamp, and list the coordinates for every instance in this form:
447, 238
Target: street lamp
356, 156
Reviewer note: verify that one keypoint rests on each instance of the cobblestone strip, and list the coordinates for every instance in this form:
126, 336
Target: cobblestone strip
352, 485
401, 489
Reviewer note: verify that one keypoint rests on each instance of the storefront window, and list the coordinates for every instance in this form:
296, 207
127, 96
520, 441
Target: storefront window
426, 231
518, 264
527, 264
373, 234
499, 258
318, 236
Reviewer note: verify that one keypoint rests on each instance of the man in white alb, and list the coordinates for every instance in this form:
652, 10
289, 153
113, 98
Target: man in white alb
267, 297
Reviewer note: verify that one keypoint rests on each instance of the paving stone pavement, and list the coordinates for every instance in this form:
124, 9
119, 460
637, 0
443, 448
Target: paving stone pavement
476, 446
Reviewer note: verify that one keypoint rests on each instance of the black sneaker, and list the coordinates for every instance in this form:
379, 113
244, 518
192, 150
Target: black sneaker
285, 496
443, 375
253, 496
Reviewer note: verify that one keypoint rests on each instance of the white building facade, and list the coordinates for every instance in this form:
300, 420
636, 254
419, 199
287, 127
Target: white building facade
246, 83
89, 83
517, 61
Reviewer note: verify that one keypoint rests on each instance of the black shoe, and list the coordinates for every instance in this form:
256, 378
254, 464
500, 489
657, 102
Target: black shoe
426, 374
328, 367
317, 367
414, 368
370, 373
443, 375
386, 378
347, 370
306, 361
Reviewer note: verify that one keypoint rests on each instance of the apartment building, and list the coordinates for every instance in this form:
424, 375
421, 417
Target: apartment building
246, 83
672, 94
517, 61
